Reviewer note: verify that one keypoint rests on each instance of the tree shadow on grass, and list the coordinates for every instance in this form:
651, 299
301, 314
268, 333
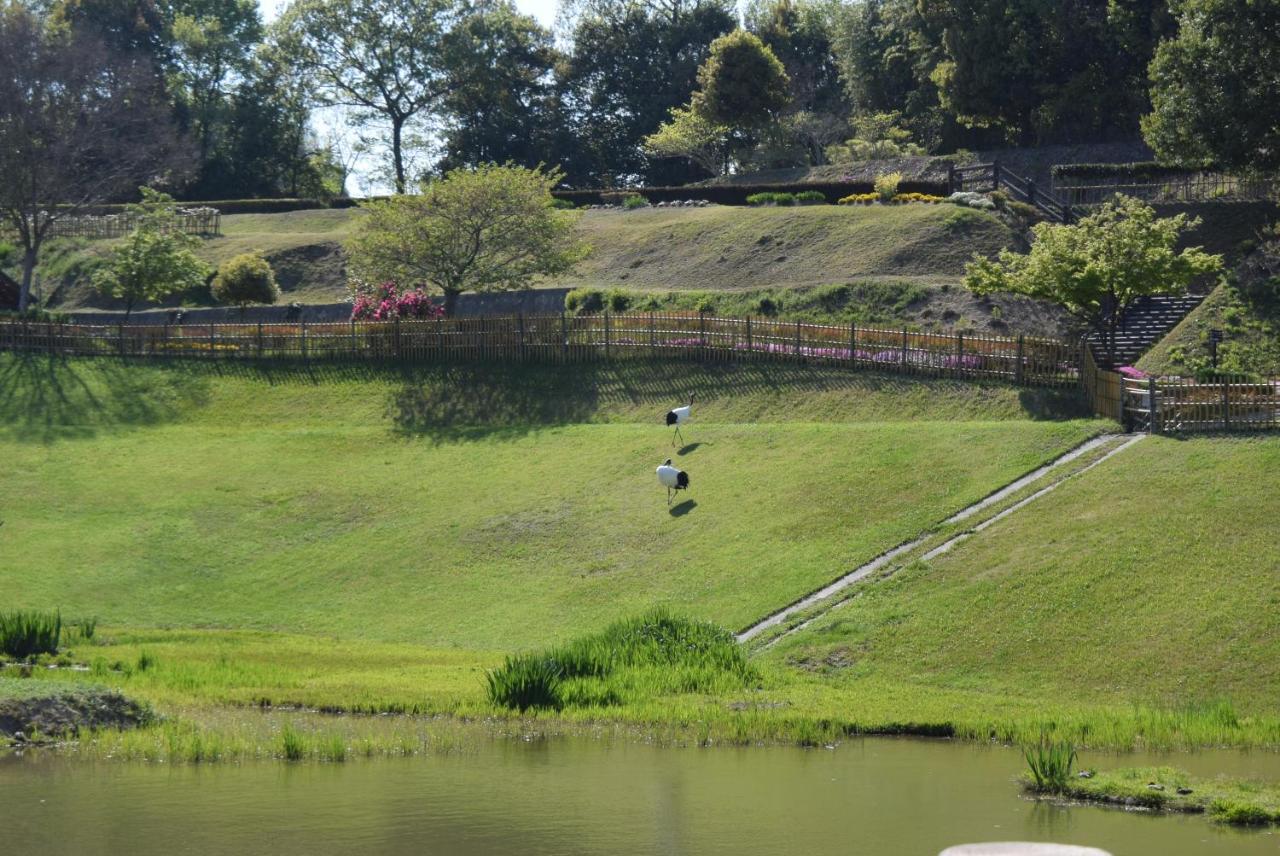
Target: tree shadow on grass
47, 398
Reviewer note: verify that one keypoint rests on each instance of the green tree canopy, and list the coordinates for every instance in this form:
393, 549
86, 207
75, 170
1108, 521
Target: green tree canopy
1214, 86
245, 279
1098, 267
156, 259
743, 85
688, 134
491, 228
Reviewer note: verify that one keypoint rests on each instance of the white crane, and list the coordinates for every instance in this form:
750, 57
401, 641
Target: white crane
678, 417
672, 479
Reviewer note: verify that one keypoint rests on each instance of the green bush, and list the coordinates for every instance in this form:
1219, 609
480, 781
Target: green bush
635, 201
618, 300
766, 306
244, 279
583, 301
526, 681
1238, 813
26, 633
562, 204
887, 185
832, 297
8, 253
706, 303
771, 198
811, 196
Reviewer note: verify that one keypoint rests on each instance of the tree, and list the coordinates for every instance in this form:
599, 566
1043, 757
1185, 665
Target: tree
743, 85
1098, 267
630, 63
491, 228
690, 135
156, 259
379, 59
79, 125
500, 103
245, 279
1214, 86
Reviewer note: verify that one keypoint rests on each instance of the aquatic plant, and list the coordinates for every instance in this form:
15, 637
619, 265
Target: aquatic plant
1050, 762
526, 681
25, 633
291, 743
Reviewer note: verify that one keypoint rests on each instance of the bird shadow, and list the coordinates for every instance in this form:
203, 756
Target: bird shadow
683, 508
687, 448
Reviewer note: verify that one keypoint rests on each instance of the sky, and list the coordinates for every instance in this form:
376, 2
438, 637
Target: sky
543, 10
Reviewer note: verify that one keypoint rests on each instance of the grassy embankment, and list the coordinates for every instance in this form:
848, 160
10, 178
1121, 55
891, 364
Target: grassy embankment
878, 265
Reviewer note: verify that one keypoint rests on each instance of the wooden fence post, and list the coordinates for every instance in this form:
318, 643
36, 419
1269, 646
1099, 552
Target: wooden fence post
797, 340
304, 339
702, 333
653, 335
213, 341
853, 343
904, 347
564, 337
520, 322
120, 339
606, 334
748, 334
395, 337
1153, 405
1018, 367
261, 347
960, 353
1226, 405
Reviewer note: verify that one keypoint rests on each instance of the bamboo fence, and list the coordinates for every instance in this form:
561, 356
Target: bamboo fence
565, 338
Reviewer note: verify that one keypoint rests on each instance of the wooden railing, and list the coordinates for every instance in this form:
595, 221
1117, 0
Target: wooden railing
198, 221
987, 177
570, 338
1180, 187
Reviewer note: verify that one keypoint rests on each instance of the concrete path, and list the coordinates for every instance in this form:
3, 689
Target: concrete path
884, 559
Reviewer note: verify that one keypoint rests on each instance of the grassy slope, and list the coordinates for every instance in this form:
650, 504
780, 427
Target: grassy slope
1153, 580
276, 502
715, 249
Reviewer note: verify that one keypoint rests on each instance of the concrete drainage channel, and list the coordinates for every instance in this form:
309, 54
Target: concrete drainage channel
897, 557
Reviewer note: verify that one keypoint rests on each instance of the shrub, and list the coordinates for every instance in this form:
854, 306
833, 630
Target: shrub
970, 199
766, 306
562, 204
582, 301
614, 197
832, 297
706, 303
1050, 763
635, 201
386, 302
1238, 813
618, 300
887, 185
859, 199
244, 279
811, 196
771, 198
26, 633
526, 681
1028, 213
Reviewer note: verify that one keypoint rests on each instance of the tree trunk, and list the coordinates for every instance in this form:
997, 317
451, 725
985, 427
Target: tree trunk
397, 152
450, 303
28, 272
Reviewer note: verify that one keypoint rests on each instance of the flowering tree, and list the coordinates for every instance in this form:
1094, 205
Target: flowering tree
386, 302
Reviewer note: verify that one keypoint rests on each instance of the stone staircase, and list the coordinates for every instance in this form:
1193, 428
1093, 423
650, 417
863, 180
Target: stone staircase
1144, 324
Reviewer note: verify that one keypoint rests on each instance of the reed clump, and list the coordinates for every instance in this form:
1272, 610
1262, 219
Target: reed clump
649, 655
1050, 763
27, 633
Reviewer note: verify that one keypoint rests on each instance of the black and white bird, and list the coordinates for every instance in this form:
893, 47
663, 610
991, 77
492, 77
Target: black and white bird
678, 417
672, 479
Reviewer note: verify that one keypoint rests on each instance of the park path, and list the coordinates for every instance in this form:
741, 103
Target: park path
885, 559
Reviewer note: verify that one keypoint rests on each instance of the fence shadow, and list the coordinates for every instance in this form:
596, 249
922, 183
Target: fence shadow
47, 398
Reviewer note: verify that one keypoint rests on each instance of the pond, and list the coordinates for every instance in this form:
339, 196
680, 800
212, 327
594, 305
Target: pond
583, 796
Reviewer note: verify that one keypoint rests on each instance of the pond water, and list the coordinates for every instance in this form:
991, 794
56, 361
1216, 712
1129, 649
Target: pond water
581, 796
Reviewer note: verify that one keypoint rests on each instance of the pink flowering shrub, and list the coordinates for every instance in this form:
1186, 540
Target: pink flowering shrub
1131, 372
386, 302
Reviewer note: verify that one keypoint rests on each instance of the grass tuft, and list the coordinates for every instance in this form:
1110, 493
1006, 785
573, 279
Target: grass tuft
1050, 762
25, 633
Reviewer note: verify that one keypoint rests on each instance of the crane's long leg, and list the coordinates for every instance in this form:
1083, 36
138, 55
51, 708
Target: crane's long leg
668, 496
677, 434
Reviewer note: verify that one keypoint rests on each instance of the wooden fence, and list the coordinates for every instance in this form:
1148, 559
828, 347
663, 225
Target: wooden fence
1179, 187
193, 221
1103, 387
567, 338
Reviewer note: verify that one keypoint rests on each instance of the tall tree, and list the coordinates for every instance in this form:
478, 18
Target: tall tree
743, 84
1214, 87
500, 103
213, 43
79, 125
378, 59
631, 62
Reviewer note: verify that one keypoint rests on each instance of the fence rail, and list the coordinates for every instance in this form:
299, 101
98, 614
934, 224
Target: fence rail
1185, 187
567, 338
197, 221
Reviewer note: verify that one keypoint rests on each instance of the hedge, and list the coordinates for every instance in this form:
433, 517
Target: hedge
248, 206
736, 194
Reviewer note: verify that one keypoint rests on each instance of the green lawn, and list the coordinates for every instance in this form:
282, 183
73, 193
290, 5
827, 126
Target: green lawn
371, 506
1153, 580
